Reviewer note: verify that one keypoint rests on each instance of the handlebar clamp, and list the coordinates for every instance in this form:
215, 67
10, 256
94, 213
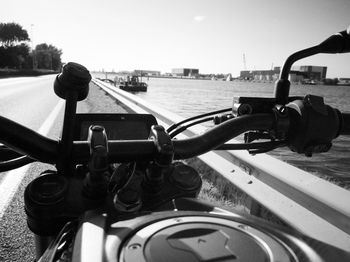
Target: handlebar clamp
162, 160
164, 145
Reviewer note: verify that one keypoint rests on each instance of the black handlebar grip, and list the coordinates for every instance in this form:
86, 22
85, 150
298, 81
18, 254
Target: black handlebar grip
345, 127
74, 77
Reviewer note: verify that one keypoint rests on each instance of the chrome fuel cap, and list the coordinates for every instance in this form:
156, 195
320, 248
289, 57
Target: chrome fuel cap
203, 239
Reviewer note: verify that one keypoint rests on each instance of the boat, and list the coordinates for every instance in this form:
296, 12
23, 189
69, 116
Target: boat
309, 82
132, 84
107, 80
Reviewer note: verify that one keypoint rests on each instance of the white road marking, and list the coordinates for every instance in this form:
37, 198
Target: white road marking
7, 88
16, 81
12, 180
26, 79
10, 92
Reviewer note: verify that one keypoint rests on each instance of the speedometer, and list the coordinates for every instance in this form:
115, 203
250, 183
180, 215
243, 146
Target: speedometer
117, 126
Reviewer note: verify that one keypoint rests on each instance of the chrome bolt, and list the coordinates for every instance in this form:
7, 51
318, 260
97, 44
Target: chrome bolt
134, 246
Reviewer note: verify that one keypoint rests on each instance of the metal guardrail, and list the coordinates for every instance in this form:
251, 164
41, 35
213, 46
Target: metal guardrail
305, 202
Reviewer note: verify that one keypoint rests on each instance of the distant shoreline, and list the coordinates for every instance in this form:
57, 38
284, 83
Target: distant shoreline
110, 74
166, 77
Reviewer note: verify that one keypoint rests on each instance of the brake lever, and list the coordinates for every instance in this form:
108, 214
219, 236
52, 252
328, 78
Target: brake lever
267, 149
256, 135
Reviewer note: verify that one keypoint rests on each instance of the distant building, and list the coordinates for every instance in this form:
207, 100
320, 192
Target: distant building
316, 73
146, 73
344, 81
260, 75
187, 72
297, 74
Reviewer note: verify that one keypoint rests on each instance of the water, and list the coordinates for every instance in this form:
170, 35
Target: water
188, 97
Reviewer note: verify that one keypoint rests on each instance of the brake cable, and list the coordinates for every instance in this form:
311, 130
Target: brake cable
8, 153
15, 163
10, 159
174, 126
183, 128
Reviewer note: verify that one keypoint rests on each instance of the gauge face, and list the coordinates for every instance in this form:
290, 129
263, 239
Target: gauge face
117, 126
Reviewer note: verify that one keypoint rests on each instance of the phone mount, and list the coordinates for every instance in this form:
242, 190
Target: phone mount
75, 79
73, 86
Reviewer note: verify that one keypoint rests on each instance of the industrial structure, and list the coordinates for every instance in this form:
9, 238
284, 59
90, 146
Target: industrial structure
185, 72
305, 73
146, 72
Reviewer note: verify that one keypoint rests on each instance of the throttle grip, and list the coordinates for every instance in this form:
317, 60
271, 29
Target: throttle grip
313, 125
345, 125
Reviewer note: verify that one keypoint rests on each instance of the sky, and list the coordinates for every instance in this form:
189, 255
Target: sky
211, 35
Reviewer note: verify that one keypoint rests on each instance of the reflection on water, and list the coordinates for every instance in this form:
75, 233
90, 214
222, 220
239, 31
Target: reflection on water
191, 97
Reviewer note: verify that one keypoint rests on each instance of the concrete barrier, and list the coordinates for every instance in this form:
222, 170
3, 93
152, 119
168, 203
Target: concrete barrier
305, 202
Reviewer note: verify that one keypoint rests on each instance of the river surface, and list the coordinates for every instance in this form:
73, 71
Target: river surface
188, 97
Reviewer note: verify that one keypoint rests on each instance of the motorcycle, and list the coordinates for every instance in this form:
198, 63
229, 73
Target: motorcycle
121, 193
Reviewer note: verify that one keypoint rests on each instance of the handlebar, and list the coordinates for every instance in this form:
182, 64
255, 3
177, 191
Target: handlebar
134, 150
41, 148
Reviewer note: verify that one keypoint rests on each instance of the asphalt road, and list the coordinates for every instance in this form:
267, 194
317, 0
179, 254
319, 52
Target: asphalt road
32, 102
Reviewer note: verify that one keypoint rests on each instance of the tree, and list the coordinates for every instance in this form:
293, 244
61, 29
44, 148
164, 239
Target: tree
14, 56
48, 56
13, 52
12, 33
